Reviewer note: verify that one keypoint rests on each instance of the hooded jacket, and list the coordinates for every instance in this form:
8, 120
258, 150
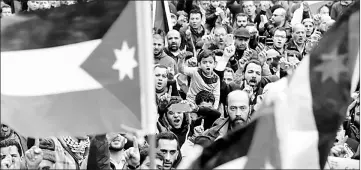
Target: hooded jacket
183, 133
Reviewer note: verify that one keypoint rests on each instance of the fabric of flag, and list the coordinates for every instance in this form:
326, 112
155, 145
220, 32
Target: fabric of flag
297, 128
160, 20
72, 70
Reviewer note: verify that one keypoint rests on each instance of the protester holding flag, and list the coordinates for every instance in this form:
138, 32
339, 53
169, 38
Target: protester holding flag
82, 79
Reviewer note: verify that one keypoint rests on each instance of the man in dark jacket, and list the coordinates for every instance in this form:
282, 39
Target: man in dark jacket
238, 109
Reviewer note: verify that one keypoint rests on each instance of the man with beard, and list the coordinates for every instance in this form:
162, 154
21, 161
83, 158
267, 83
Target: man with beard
8, 133
238, 109
174, 42
167, 143
193, 33
116, 148
241, 21
160, 57
298, 42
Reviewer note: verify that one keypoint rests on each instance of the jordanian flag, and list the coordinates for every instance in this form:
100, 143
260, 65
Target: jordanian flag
297, 125
75, 70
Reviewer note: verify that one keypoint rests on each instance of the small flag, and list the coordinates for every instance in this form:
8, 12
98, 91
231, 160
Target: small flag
72, 70
297, 129
161, 20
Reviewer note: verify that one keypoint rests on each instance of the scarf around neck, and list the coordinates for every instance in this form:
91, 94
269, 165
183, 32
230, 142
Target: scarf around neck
78, 148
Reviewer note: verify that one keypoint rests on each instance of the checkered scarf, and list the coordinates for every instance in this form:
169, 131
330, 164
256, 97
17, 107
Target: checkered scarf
78, 148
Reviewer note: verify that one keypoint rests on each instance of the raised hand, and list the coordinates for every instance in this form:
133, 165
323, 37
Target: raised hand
33, 157
198, 130
229, 51
132, 155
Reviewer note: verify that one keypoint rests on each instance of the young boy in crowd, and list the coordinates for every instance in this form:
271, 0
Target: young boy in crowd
203, 77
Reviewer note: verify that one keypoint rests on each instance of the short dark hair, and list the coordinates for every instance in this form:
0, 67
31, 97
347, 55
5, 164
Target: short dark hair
195, 11
158, 36
241, 15
205, 54
254, 61
166, 136
11, 142
204, 96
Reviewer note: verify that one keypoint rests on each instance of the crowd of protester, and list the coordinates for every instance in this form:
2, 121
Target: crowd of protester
212, 71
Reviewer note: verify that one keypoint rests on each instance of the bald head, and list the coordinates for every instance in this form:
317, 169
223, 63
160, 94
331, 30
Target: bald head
299, 33
173, 33
174, 40
237, 95
238, 107
298, 27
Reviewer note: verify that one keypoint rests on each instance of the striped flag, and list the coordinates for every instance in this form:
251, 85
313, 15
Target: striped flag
297, 128
75, 70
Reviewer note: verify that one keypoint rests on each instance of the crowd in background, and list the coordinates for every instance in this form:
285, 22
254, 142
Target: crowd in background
213, 69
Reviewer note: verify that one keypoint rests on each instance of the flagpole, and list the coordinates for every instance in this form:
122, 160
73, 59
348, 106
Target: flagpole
148, 108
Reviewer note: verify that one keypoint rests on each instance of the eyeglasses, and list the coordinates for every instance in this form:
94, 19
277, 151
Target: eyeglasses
280, 36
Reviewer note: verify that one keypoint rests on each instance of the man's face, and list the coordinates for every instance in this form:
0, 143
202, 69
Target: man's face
214, 3
206, 104
241, 21
309, 28
241, 43
195, 20
325, 11
204, 4
44, 5
279, 39
6, 11
265, 5
249, 7
146, 163
117, 142
5, 131
299, 34
253, 74
160, 78
158, 46
175, 119
10, 157
33, 5
174, 40
278, 16
207, 65
228, 77
169, 150
219, 35
238, 109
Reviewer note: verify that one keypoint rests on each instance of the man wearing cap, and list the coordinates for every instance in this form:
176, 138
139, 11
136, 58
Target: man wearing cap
242, 37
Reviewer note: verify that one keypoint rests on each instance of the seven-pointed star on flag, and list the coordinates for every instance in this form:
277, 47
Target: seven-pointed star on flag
332, 66
125, 62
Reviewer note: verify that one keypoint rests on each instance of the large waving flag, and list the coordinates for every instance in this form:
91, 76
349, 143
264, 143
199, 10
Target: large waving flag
77, 70
298, 126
